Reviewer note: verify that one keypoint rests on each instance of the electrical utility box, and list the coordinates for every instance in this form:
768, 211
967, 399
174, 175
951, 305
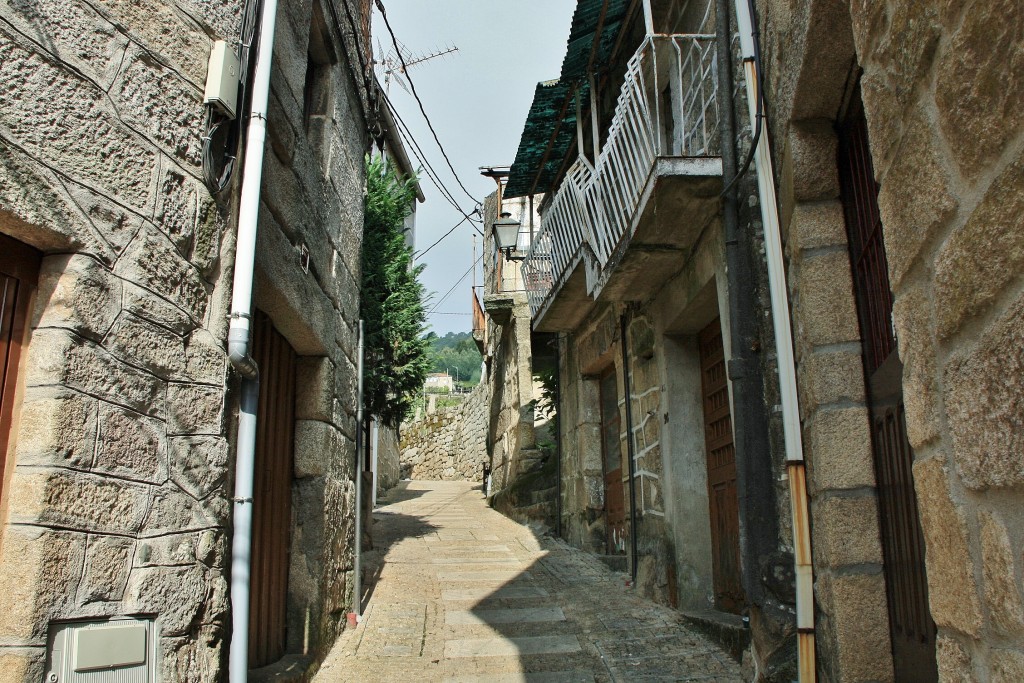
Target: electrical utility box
121, 650
222, 79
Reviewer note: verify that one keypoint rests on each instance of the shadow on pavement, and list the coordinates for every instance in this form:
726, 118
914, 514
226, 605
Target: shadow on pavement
390, 528
568, 617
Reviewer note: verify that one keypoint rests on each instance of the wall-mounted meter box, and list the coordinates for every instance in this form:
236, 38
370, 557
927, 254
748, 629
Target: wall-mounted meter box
222, 79
120, 649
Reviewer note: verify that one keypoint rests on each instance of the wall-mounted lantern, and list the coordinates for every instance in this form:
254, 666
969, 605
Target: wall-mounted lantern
506, 235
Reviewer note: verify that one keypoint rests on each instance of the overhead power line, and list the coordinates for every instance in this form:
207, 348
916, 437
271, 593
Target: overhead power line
405, 70
420, 155
459, 282
438, 241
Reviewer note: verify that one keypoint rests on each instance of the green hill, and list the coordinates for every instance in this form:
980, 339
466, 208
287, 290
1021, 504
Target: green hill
457, 354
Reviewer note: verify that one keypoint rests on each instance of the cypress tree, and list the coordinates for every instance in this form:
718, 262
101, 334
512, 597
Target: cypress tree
393, 299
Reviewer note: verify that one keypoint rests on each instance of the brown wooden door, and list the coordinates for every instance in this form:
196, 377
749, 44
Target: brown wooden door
721, 462
19, 271
611, 451
910, 623
272, 493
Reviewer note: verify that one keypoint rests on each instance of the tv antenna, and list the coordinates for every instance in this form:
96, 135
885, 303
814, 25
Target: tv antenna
394, 70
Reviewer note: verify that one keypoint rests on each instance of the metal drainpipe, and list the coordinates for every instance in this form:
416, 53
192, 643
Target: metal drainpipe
238, 347
357, 587
754, 479
630, 449
558, 436
795, 466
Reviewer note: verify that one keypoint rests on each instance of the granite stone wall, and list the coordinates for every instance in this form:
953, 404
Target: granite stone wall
945, 127
450, 444
389, 457
120, 462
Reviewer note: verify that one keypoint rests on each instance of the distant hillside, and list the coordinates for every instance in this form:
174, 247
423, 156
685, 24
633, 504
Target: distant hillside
456, 351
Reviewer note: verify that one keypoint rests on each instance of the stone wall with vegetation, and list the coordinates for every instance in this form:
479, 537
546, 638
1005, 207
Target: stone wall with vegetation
945, 124
389, 459
119, 466
450, 444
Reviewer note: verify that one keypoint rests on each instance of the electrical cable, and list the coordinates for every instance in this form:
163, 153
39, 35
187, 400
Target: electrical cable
438, 241
412, 86
760, 115
417, 151
449, 292
359, 54
216, 182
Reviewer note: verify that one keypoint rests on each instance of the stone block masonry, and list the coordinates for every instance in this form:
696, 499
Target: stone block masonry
449, 445
118, 472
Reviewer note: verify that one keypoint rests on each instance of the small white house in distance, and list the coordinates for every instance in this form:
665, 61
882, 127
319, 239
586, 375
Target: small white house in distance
439, 381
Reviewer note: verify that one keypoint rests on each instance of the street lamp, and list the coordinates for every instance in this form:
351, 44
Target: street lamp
506, 235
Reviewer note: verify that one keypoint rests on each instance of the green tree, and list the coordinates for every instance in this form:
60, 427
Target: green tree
393, 299
457, 353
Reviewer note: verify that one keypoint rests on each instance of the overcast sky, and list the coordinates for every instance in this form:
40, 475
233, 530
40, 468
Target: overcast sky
477, 99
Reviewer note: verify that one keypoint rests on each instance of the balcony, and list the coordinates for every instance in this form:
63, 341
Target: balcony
616, 229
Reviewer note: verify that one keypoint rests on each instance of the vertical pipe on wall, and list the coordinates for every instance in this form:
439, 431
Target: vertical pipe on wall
758, 527
627, 390
241, 537
747, 22
238, 347
357, 588
374, 448
558, 436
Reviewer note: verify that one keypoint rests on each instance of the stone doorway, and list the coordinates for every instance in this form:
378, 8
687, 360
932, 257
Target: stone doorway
611, 450
272, 500
19, 272
721, 464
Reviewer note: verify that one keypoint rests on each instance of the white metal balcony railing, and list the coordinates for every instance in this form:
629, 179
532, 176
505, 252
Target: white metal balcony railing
667, 107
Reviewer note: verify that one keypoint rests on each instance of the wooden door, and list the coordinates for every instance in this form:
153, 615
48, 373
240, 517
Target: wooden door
272, 493
721, 463
911, 626
19, 271
611, 451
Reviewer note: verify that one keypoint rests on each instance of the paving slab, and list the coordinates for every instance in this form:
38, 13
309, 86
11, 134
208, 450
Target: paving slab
457, 593
504, 647
485, 617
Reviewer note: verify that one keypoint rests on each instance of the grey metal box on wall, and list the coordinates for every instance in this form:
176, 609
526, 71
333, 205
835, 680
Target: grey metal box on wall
120, 650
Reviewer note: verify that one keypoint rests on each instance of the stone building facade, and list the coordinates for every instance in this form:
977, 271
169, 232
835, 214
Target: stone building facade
119, 421
508, 353
944, 128
910, 418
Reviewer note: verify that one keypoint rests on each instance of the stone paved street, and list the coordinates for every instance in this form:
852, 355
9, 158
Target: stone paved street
459, 593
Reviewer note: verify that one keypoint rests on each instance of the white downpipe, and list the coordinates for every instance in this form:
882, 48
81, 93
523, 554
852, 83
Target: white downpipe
374, 454
357, 587
238, 347
786, 360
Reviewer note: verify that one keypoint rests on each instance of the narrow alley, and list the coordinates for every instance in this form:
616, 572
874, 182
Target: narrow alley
458, 592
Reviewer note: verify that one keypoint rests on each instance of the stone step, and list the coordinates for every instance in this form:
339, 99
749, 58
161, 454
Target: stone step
731, 631
618, 563
485, 617
511, 647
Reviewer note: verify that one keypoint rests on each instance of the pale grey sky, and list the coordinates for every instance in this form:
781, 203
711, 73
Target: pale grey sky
477, 99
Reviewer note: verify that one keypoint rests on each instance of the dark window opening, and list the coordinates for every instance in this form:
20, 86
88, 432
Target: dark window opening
316, 92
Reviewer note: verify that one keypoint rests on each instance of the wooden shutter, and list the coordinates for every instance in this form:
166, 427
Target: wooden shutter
19, 272
272, 493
